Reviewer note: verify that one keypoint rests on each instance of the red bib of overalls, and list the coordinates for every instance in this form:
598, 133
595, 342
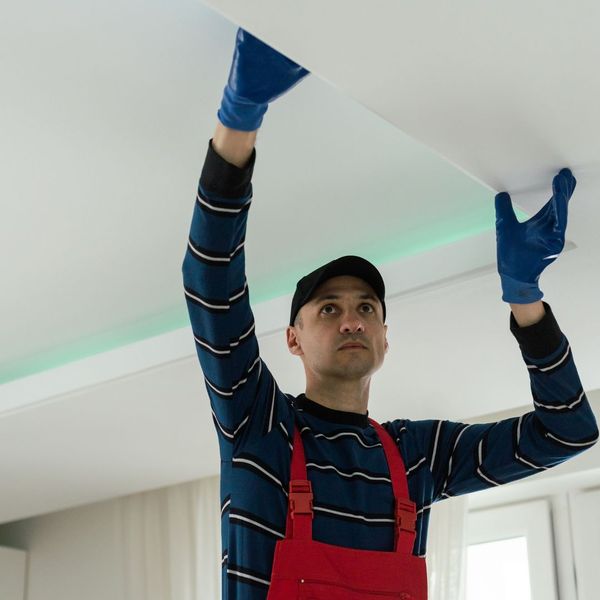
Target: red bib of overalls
304, 569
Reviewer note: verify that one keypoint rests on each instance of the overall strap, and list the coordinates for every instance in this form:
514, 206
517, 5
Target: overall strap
405, 509
300, 502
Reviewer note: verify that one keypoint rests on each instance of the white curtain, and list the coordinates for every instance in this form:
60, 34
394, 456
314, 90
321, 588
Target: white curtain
446, 549
171, 542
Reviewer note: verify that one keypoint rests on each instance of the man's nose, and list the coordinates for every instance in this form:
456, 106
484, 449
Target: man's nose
352, 322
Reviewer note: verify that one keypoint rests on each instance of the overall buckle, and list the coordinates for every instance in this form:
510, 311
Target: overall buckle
406, 516
301, 497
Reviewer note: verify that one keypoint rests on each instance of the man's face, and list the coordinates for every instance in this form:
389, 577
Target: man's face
341, 310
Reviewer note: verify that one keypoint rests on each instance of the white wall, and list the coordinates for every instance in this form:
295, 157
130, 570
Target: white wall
73, 554
12, 573
163, 544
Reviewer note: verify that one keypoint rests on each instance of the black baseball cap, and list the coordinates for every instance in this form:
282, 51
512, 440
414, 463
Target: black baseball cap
345, 265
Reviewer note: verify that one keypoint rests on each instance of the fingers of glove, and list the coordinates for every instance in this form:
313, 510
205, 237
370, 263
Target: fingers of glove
560, 204
505, 214
553, 213
564, 183
563, 186
254, 47
250, 46
259, 72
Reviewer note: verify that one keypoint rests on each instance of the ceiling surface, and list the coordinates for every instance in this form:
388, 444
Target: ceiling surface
412, 119
108, 116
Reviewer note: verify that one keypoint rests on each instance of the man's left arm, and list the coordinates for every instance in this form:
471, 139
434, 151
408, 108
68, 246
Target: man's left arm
562, 413
562, 423
465, 458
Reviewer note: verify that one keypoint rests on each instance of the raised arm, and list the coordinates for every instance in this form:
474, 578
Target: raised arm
464, 457
214, 273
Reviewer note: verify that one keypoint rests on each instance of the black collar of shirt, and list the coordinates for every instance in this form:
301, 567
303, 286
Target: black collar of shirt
330, 414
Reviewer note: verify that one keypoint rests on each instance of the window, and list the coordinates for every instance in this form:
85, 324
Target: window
510, 553
505, 564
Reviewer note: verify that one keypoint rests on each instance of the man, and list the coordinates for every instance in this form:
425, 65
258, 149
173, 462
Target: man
317, 499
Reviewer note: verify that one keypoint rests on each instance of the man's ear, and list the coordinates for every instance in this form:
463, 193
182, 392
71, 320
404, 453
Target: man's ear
386, 342
292, 341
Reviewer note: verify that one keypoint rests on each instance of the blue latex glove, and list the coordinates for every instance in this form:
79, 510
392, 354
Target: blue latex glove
524, 250
258, 76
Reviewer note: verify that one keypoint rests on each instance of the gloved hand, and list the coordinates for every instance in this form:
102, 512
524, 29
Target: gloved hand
524, 250
258, 76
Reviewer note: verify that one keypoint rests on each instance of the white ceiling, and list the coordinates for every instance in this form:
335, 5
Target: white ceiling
508, 93
393, 148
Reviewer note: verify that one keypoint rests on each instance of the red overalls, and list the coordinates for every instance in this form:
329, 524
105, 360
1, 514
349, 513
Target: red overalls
304, 569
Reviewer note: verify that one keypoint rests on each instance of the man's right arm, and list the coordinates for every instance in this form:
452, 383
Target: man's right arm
214, 276
216, 289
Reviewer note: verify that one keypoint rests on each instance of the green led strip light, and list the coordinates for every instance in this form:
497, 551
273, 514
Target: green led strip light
177, 317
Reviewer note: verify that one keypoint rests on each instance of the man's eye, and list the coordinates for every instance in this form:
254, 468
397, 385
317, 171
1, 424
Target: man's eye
331, 306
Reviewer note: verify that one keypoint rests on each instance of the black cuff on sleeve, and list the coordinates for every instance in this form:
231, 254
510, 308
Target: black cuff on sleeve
540, 339
224, 179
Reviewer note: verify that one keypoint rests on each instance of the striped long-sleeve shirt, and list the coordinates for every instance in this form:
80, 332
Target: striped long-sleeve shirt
353, 499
